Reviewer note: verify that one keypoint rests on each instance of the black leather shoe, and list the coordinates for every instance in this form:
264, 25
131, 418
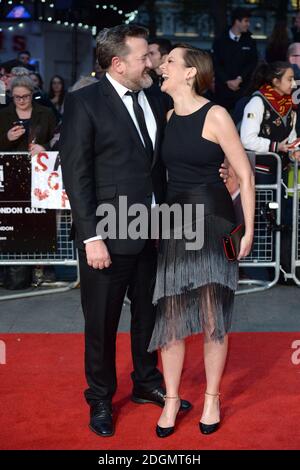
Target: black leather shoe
101, 421
208, 428
156, 397
164, 432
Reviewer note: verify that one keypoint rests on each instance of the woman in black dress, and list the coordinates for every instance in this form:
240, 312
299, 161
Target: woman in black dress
195, 289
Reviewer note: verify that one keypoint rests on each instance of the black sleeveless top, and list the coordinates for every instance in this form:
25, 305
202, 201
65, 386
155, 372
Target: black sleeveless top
190, 159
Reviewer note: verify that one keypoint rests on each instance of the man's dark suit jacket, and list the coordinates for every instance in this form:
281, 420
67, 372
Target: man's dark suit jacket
103, 158
232, 59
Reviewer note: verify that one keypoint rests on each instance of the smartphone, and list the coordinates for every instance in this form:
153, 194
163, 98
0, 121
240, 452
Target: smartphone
295, 144
19, 123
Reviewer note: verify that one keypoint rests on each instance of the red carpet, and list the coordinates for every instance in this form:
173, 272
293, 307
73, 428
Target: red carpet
42, 405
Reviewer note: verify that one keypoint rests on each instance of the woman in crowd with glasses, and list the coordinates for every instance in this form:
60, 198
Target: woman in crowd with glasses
24, 124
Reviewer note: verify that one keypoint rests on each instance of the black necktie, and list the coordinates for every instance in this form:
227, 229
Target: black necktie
236, 38
140, 117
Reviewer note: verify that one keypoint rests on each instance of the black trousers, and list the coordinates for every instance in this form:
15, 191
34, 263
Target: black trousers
102, 296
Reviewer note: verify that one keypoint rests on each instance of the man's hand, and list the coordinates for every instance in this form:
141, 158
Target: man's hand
97, 254
224, 171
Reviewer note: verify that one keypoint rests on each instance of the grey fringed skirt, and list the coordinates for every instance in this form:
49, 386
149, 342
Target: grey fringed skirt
194, 289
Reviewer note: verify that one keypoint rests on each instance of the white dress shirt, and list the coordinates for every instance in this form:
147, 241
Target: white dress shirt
149, 118
234, 37
127, 100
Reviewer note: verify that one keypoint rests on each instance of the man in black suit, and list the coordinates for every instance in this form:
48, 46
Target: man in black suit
109, 147
235, 58
159, 48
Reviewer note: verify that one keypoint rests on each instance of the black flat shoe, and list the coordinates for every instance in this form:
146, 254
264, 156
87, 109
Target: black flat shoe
210, 428
157, 397
101, 421
164, 432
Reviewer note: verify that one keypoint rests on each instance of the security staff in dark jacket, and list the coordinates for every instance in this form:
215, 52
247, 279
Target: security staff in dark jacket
235, 58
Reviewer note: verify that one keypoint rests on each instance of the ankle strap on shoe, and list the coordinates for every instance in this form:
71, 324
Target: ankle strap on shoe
172, 398
213, 394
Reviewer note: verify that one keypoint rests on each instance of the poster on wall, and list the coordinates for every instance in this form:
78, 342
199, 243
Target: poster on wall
47, 189
23, 229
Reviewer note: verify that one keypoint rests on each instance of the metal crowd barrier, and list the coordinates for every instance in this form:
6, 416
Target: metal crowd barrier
265, 252
65, 255
266, 246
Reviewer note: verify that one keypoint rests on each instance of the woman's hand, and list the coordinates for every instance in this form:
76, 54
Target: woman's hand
284, 146
246, 245
34, 149
15, 133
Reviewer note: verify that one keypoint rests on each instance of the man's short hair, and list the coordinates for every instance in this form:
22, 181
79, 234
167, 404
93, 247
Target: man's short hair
83, 82
24, 52
164, 45
111, 42
239, 14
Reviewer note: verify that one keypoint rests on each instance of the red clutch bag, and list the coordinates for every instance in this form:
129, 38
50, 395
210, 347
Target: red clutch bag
232, 242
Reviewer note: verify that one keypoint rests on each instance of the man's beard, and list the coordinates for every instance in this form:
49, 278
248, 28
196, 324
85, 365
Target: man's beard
144, 82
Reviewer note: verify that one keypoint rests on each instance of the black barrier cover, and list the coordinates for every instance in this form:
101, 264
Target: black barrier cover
22, 228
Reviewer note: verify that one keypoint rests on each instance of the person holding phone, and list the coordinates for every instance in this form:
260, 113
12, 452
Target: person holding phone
25, 125
269, 125
269, 120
